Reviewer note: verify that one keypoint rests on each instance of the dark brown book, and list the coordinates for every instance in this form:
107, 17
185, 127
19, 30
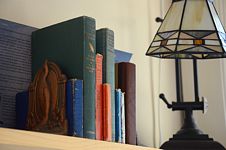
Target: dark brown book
127, 83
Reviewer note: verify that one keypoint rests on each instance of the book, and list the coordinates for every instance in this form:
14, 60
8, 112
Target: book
107, 120
21, 109
15, 66
99, 99
123, 119
105, 46
122, 56
71, 44
74, 107
118, 123
127, 83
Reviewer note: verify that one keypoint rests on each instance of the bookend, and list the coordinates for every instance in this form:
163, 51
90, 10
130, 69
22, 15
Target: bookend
47, 108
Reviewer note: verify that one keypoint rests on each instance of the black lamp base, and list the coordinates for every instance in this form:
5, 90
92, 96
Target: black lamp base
192, 145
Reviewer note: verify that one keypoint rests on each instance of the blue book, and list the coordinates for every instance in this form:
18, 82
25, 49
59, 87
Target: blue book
118, 123
21, 109
122, 56
74, 110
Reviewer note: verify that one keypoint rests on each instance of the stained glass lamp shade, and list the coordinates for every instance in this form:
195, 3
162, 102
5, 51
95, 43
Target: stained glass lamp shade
191, 30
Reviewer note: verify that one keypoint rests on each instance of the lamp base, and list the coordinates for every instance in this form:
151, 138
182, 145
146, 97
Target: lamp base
192, 145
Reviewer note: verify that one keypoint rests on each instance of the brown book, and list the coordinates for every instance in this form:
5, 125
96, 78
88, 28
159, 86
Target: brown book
127, 83
107, 112
99, 99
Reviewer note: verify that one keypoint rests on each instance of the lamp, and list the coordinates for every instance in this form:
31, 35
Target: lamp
191, 29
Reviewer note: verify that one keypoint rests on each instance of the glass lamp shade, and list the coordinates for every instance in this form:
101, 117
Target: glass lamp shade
191, 29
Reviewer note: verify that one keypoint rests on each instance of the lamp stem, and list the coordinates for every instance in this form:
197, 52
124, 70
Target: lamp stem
196, 88
179, 85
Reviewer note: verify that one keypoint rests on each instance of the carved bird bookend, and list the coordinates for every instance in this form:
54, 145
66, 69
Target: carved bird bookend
47, 100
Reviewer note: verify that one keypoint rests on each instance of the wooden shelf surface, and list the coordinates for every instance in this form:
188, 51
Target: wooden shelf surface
11, 139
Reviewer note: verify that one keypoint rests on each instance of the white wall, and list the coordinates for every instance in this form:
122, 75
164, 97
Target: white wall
133, 24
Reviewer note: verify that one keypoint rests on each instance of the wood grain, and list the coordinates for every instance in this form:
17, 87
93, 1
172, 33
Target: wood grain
11, 139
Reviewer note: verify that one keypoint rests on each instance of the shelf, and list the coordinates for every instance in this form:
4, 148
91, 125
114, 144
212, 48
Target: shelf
11, 139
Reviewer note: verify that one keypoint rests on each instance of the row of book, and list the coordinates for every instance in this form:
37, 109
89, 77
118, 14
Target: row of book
73, 45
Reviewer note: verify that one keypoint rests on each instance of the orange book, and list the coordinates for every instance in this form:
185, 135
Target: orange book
99, 99
107, 112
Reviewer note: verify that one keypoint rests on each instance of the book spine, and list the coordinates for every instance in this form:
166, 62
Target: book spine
127, 83
107, 112
21, 109
99, 99
105, 46
118, 123
69, 106
78, 108
123, 119
89, 77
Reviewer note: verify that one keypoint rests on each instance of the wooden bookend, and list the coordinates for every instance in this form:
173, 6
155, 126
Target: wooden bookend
47, 100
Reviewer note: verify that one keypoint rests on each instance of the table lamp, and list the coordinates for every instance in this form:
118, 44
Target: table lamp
191, 29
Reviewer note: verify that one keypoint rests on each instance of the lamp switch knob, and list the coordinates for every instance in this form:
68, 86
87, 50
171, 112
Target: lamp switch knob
205, 105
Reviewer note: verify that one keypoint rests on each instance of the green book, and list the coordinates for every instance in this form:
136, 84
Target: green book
72, 46
105, 46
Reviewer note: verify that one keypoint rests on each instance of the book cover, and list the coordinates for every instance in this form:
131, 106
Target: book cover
123, 119
107, 120
74, 110
21, 109
71, 44
105, 46
127, 83
118, 118
15, 66
122, 56
99, 99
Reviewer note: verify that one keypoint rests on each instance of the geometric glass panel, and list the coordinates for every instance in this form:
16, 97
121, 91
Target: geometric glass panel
185, 36
198, 42
171, 47
184, 47
212, 42
198, 49
157, 38
216, 19
166, 35
197, 55
174, 36
173, 17
199, 34
164, 42
189, 42
161, 50
171, 42
156, 43
215, 48
211, 36
197, 16
151, 49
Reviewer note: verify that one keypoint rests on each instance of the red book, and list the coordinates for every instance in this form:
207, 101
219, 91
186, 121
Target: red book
127, 83
99, 99
107, 112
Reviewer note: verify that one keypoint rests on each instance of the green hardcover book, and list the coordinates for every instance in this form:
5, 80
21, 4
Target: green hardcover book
71, 45
105, 46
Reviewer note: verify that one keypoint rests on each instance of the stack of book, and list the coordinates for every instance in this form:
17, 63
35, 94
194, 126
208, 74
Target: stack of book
100, 95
